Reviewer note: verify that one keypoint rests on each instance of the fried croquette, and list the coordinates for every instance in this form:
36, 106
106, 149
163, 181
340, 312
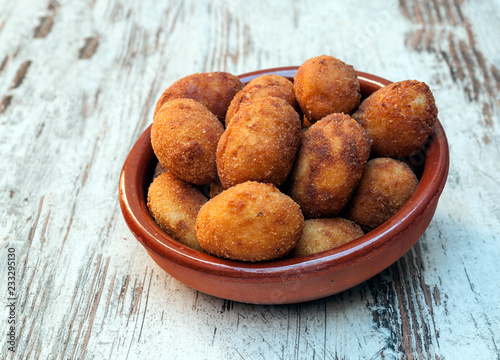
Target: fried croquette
399, 118
184, 137
325, 234
329, 165
214, 90
174, 204
263, 86
260, 143
324, 85
386, 185
250, 222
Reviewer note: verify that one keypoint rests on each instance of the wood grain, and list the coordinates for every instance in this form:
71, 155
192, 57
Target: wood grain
78, 84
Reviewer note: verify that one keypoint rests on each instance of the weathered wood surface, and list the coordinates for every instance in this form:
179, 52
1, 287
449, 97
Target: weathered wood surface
78, 83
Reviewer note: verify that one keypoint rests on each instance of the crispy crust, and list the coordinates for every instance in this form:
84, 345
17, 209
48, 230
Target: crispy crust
214, 90
260, 143
250, 222
174, 204
399, 118
324, 85
184, 137
329, 164
263, 86
385, 187
325, 234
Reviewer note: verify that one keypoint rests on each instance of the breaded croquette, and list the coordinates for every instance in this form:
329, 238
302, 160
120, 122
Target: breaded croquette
174, 204
329, 165
387, 184
325, 234
251, 222
262, 86
399, 118
324, 85
214, 90
260, 143
184, 137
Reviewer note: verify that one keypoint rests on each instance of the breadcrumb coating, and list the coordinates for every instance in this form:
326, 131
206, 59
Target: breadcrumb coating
387, 184
262, 86
329, 165
174, 204
214, 90
250, 222
324, 85
399, 118
184, 137
260, 143
325, 234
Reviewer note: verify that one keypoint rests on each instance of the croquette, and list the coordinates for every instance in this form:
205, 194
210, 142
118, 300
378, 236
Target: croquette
262, 86
174, 204
325, 234
260, 143
184, 136
399, 118
386, 185
214, 90
250, 222
324, 85
329, 165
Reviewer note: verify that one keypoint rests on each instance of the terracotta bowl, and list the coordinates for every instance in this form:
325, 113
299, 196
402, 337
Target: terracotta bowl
289, 280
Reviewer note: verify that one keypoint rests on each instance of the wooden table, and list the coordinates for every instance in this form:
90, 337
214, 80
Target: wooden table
78, 84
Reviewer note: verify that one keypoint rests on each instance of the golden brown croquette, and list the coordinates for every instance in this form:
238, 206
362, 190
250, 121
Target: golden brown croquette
174, 204
184, 137
324, 85
325, 234
262, 86
399, 118
251, 222
214, 90
260, 143
329, 164
386, 185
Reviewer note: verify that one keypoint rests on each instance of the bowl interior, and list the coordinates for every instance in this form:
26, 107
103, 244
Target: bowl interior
431, 166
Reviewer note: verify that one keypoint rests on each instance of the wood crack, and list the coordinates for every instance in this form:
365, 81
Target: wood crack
5, 103
95, 304
4, 63
20, 75
33, 229
89, 48
46, 22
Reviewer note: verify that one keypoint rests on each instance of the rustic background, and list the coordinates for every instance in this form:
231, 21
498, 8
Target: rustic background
78, 84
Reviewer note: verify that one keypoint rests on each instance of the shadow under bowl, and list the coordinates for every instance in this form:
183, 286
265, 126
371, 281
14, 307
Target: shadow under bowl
290, 280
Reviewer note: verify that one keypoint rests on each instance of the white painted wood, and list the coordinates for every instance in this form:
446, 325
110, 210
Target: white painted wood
78, 83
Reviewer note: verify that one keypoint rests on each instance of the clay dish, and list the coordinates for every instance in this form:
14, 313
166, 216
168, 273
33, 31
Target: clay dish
295, 279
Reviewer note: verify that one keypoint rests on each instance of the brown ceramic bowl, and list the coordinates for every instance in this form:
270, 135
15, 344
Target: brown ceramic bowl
289, 280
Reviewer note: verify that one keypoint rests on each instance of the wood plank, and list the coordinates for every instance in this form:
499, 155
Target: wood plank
78, 84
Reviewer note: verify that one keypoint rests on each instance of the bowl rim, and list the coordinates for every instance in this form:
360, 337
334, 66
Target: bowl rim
145, 229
